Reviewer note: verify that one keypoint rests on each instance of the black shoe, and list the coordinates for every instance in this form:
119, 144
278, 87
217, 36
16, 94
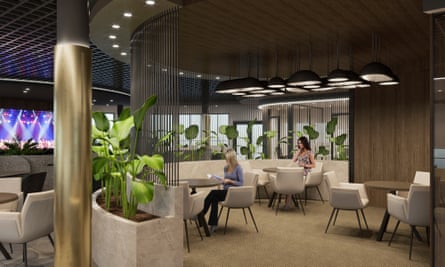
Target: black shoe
213, 228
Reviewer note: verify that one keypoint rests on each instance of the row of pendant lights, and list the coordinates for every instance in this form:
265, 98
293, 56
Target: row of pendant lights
306, 80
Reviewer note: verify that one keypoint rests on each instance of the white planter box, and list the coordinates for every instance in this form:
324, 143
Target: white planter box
120, 242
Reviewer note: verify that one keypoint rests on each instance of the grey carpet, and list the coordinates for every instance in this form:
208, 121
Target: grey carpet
288, 239
292, 239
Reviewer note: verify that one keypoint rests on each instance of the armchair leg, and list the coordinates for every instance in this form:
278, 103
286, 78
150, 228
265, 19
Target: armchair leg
10, 248
358, 220
394, 232
245, 218
411, 241
427, 229
278, 205
305, 195
253, 219
227, 218
330, 218
335, 218
187, 235
51, 240
197, 227
220, 211
301, 204
25, 255
321, 197
364, 219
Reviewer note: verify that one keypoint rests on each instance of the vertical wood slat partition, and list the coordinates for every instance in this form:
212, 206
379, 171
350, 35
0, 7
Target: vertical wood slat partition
154, 63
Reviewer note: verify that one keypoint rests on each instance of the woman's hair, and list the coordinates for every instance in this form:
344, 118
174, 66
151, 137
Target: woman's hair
305, 142
231, 159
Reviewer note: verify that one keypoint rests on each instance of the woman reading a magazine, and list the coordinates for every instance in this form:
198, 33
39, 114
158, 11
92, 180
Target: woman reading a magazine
233, 176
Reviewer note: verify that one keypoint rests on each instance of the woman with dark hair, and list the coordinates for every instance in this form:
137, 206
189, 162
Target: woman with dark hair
304, 156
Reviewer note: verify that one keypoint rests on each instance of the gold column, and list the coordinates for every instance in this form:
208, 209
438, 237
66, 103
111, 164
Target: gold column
72, 155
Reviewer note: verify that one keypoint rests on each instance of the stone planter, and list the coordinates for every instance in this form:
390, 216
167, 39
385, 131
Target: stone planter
120, 242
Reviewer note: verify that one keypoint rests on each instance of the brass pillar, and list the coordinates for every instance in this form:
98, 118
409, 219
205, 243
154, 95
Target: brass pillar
72, 155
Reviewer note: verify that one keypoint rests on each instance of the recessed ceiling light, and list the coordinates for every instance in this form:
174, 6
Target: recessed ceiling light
181, 73
115, 46
128, 14
199, 75
150, 2
440, 91
217, 77
115, 26
94, 100
123, 53
149, 65
164, 69
112, 36
27, 89
25, 92
111, 100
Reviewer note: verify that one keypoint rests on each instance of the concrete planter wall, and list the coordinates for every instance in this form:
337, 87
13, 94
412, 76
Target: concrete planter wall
120, 242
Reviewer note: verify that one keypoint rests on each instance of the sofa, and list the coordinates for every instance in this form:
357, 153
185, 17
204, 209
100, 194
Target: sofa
200, 169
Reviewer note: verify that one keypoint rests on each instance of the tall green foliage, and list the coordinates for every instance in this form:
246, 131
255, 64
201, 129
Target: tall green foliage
116, 158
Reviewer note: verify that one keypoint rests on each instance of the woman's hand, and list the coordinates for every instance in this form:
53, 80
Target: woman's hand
227, 181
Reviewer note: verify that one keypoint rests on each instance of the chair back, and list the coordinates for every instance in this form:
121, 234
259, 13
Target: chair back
250, 179
314, 178
418, 203
37, 215
185, 198
11, 184
289, 181
331, 179
32, 183
422, 178
240, 196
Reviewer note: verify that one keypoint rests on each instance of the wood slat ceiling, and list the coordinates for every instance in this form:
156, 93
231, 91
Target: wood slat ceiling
235, 37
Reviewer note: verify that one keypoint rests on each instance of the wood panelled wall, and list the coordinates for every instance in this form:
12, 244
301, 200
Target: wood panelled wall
392, 130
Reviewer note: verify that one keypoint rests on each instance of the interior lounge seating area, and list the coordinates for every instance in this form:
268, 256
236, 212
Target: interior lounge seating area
124, 116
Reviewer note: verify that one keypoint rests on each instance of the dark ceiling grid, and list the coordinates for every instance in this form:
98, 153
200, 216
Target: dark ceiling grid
27, 40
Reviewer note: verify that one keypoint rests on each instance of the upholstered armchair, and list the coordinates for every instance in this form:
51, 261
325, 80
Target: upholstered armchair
11, 185
241, 197
420, 177
34, 221
289, 181
192, 205
345, 196
413, 210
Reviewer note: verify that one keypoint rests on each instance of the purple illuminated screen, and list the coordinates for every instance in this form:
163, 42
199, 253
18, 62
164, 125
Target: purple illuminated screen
22, 124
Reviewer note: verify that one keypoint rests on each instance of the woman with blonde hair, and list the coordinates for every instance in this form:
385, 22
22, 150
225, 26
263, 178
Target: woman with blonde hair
233, 176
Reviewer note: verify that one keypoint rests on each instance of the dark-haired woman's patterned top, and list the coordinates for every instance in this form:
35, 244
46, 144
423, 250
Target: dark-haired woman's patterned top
304, 159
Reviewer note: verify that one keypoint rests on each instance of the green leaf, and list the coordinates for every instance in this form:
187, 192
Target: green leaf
330, 126
124, 114
142, 191
339, 140
322, 151
139, 114
231, 132
155, 162
260, 140
250, 126
222, 129
135, 167
101, 121
311, 132
191, 132
121, 129
244, 150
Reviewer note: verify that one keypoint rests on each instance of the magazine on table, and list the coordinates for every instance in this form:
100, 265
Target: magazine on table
210, 176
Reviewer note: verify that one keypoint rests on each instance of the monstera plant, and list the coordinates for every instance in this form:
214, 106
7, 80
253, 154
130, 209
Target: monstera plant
337, 140
116, 160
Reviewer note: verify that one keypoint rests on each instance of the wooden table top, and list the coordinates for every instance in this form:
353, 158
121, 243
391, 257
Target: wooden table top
6, 197
202, 182
388, 185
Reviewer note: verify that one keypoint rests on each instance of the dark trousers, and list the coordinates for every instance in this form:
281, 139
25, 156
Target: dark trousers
212, 200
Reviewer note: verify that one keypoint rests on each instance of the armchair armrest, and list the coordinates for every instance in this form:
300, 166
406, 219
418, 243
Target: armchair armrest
10, 225
240, 196
396, 205
197, 202
347, 198
361, 188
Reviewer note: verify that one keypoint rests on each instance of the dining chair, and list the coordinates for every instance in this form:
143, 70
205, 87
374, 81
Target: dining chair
289, 181
34, 221
313, 180
241, 197
263, 182
420, 177
345, 196
413, 210
192, 206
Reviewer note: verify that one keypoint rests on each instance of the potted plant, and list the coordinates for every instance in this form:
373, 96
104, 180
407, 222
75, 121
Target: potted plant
127, 181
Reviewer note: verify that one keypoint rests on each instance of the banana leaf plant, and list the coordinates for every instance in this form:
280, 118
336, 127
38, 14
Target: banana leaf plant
337, 140
116, 159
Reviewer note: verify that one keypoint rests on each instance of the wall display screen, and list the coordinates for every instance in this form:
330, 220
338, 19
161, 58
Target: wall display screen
23, 124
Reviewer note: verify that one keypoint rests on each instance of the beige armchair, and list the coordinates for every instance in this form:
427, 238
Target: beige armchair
420, 177
241, 197
345, 196
192, 205
35, 220
289, 181
314, 179
413, 210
